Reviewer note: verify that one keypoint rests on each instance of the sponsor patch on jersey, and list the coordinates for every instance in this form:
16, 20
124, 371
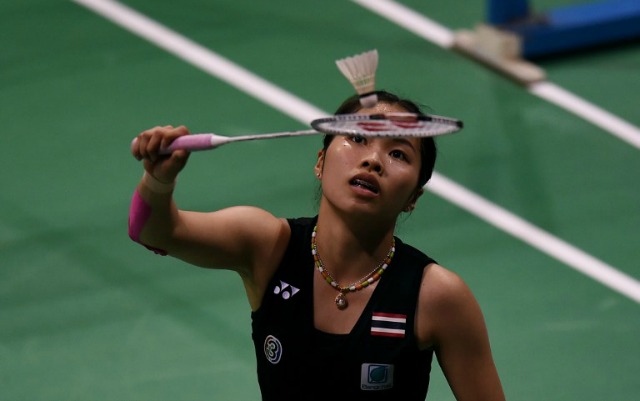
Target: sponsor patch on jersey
285, 290
376, 376
272, 349
388, 324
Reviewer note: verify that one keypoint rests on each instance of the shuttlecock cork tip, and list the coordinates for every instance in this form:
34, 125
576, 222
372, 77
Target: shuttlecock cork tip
360, 70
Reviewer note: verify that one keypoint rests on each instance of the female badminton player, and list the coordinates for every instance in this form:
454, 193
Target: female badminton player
341, 308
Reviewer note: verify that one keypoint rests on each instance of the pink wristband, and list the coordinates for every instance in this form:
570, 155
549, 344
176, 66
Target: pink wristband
139, 213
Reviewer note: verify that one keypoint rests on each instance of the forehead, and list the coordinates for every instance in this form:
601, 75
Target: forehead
381, 107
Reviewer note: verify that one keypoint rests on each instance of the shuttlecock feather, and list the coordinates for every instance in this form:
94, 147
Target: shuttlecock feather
360, 70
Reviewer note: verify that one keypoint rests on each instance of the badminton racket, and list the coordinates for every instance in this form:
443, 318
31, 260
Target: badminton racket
390, 125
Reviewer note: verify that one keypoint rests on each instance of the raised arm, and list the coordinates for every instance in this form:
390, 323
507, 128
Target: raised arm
450, 321
248, 240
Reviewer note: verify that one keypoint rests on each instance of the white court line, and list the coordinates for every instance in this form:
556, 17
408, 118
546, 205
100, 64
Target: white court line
443, 37
296, 108
534, 236
204, 59
410, 20
588, 111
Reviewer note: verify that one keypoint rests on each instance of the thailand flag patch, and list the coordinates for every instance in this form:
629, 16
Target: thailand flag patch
388, 324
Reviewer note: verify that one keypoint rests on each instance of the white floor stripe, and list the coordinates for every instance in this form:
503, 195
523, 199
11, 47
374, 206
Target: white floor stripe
304, 112
411, 21
588, 111
204, 59
534, 236
443, 37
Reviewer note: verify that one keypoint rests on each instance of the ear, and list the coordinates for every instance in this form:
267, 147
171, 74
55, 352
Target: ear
411, 205
319, 164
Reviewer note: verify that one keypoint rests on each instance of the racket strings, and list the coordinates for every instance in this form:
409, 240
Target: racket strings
388, 125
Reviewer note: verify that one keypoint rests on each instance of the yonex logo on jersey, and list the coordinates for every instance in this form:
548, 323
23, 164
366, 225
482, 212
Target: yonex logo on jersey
286, 290
272, 349
376, 376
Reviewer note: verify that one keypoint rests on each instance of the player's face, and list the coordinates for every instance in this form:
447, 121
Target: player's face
373, 175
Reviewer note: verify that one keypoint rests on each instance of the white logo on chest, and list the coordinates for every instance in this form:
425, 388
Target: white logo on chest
272, 349
285, 290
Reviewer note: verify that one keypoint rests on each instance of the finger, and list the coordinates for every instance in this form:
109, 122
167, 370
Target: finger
139, 145
172, 134
145, 142
153, 145
135, 148
180, 157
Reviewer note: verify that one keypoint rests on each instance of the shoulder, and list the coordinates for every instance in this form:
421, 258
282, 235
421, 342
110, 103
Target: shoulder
443, 292
255, 226
445, 305
440, 285
263, 232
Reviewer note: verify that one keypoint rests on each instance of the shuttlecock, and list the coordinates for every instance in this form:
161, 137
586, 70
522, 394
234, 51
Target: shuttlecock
360, 70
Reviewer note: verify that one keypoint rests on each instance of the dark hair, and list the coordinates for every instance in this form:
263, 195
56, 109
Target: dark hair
428, 145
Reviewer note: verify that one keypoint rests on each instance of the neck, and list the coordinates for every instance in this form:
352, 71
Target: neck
350, 247
364, 228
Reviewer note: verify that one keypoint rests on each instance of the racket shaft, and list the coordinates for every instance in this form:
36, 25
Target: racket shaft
285, 134
197, 142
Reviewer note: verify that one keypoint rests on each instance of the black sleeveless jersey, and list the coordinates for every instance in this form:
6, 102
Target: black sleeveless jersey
378, 360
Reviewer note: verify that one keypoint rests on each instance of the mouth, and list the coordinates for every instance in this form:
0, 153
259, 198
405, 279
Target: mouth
365, 183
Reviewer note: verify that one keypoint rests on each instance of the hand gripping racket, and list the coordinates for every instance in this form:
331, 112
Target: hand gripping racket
390, 125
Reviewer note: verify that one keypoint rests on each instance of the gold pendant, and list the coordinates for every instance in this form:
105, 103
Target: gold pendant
341, 301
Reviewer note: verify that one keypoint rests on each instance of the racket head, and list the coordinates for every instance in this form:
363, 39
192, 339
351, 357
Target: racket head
387, 125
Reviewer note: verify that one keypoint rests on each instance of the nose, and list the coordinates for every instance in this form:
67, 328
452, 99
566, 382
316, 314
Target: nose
372, 162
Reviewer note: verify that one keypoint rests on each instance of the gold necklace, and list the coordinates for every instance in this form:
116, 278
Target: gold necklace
370, 278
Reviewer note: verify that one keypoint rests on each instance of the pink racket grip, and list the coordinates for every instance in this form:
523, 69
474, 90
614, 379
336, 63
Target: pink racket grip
191, 143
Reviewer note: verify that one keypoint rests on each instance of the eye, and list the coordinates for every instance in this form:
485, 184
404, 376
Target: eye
398, 154
358, 139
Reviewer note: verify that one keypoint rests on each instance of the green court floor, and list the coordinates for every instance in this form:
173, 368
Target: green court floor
86, 314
